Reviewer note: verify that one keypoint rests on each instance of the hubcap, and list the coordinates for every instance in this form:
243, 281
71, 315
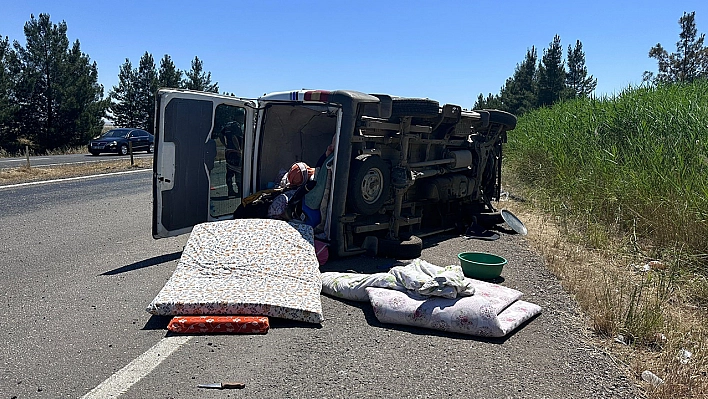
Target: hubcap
371, 186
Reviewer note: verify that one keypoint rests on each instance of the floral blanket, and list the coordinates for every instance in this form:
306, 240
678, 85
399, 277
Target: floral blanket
480, 308
259, 267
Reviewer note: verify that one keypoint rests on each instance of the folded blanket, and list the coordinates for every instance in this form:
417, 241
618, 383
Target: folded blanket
427, 279
418, 276
352, 286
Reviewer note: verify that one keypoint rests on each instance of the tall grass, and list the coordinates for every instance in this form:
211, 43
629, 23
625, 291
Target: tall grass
637, 162
627, 178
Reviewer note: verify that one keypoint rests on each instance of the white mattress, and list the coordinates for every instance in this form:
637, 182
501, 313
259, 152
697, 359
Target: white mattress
245, 267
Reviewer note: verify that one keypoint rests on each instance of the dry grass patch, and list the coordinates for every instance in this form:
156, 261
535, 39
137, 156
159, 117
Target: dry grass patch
649, 318
26, 174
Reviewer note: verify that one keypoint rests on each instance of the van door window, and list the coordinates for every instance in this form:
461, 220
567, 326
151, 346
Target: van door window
227, 175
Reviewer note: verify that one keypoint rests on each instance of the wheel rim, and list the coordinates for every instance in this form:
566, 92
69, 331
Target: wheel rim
371, 186
152, 147
123, 150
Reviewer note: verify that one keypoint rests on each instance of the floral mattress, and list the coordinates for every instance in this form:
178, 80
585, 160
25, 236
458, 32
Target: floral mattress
404, 296
260, 267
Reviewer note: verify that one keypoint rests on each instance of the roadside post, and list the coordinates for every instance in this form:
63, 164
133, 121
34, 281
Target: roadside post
27, 156
130, 151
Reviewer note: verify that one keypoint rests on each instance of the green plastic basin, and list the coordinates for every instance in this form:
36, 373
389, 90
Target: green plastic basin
481, 265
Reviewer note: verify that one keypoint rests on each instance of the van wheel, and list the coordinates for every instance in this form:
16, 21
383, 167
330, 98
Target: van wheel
369, 184
416, 107
408, 248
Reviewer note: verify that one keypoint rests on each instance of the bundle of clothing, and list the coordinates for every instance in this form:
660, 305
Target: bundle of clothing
301, 194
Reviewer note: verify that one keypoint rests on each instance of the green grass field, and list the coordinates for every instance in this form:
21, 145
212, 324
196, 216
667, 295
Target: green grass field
625, 180
636, 163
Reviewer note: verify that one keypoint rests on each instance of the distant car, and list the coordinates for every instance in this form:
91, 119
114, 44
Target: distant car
116, 141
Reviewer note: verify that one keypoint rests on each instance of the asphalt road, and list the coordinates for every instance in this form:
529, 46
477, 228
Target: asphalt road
52, 160
79, 266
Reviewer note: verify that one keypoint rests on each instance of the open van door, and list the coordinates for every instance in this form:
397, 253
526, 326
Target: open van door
201, 140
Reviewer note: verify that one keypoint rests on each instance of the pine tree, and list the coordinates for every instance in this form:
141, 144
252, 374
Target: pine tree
551, 74
124, 107
491, 102
169, 75
519, 94
39, 61
81, 102
8, 107
688, 63
576, 78
134, 96
49, 77
480, 103
197, 79
146, 87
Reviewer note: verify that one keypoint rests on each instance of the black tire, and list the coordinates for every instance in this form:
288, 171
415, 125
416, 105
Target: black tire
503, 118
94, 153
408, 248
369, 184
416, 107
123, 149
151, 148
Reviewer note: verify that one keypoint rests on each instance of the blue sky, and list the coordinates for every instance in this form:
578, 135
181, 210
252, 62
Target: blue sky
449, 51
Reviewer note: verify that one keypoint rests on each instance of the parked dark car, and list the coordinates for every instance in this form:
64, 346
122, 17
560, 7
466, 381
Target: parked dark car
116, 141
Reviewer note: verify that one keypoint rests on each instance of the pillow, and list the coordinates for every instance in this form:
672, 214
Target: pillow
472, 315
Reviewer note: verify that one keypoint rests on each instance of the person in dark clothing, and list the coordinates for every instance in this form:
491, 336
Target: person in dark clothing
232, 138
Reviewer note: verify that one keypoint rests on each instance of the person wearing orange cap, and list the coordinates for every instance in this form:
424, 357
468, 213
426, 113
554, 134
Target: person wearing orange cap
299, 174
231, 136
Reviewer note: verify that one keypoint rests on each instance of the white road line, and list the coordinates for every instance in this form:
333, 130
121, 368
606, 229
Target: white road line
34, 183
123, 379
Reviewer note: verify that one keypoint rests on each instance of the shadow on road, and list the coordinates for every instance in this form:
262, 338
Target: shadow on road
157, 322
144, 263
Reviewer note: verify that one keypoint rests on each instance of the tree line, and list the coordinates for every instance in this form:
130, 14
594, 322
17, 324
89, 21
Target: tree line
133, 98
50, 97
538, 83
49, 91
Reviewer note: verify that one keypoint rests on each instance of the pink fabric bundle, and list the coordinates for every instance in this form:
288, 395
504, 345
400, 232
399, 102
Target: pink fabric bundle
321, 251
